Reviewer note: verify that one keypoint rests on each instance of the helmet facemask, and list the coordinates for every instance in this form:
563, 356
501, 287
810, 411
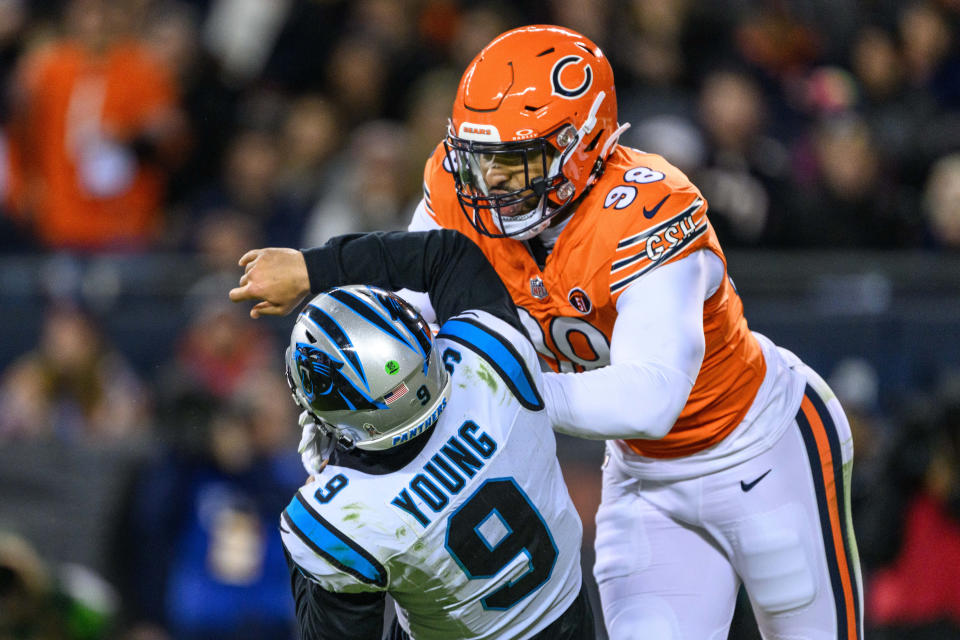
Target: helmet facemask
511, 189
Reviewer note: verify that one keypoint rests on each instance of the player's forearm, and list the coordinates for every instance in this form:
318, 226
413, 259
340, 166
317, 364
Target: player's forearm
628, 400
443, 263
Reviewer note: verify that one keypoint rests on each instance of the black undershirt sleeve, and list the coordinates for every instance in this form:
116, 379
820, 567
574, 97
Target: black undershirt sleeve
324, 615
442, 262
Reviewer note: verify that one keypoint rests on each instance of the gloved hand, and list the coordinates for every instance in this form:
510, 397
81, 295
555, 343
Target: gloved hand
316, 444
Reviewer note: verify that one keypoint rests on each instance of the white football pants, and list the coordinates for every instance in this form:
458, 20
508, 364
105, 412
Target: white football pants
671, 555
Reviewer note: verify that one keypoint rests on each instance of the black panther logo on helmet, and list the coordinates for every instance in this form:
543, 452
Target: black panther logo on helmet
324, 385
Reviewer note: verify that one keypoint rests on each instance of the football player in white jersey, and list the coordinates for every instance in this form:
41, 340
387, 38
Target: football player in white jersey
442, 488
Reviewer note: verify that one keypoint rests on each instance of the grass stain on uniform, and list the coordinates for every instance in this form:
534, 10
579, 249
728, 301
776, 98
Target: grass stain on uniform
354, 508
485, 374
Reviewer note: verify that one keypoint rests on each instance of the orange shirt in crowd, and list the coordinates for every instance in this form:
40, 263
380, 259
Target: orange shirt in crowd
75, 177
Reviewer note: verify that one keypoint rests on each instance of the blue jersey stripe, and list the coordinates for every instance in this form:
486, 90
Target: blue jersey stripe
501, 355
326, 540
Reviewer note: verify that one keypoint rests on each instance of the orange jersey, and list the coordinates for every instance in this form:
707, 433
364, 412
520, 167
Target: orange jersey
68, 97
641, 213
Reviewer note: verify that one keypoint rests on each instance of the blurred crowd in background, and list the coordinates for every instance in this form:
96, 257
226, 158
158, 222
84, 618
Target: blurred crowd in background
204, 128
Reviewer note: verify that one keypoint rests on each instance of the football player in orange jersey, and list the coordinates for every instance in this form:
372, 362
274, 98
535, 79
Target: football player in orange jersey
728, 459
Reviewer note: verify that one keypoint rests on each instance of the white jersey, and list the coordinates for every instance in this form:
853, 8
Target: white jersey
475, 537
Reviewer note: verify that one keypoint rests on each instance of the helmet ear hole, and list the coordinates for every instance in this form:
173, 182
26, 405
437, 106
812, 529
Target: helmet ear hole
593, 143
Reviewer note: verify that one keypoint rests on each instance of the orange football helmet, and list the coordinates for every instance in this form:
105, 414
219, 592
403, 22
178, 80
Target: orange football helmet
541, 100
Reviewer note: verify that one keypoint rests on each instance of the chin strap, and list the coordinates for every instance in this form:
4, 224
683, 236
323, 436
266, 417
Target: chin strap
612, 140
316, 444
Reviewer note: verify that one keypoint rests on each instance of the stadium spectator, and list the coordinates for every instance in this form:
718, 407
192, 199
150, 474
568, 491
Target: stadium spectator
357, 76
426, 117
941, 202
40, 600
885, 102
369, 188
249, 183
242, 36
74, 385
203, 557
926, 37
851, 200
650, 45
311, 135
477, 25
218, 351
216, 239
775, 40
930, 54
25, 591
746, 174
916, 594
89, 148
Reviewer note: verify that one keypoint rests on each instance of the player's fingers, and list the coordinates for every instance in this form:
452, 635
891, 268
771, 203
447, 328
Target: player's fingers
249, 257
245, 278
265, 308
239, 294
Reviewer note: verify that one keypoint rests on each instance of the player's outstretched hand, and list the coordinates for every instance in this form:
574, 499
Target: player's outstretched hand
276, 278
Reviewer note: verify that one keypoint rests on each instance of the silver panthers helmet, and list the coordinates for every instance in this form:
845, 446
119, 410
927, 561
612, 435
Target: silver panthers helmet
362, 362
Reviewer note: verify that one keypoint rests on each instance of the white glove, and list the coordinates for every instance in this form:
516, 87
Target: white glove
316, 444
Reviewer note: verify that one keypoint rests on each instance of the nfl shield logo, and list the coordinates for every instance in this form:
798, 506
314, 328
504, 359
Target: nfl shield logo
579, 300
537, 289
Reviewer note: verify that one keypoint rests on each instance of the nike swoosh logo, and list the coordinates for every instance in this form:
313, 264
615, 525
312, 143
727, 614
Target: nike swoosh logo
649, 213
746, 486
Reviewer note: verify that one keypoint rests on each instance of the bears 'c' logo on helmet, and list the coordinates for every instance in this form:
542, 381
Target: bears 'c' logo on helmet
558, 86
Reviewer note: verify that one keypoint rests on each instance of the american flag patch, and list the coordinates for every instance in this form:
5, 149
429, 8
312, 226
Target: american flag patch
396, 393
